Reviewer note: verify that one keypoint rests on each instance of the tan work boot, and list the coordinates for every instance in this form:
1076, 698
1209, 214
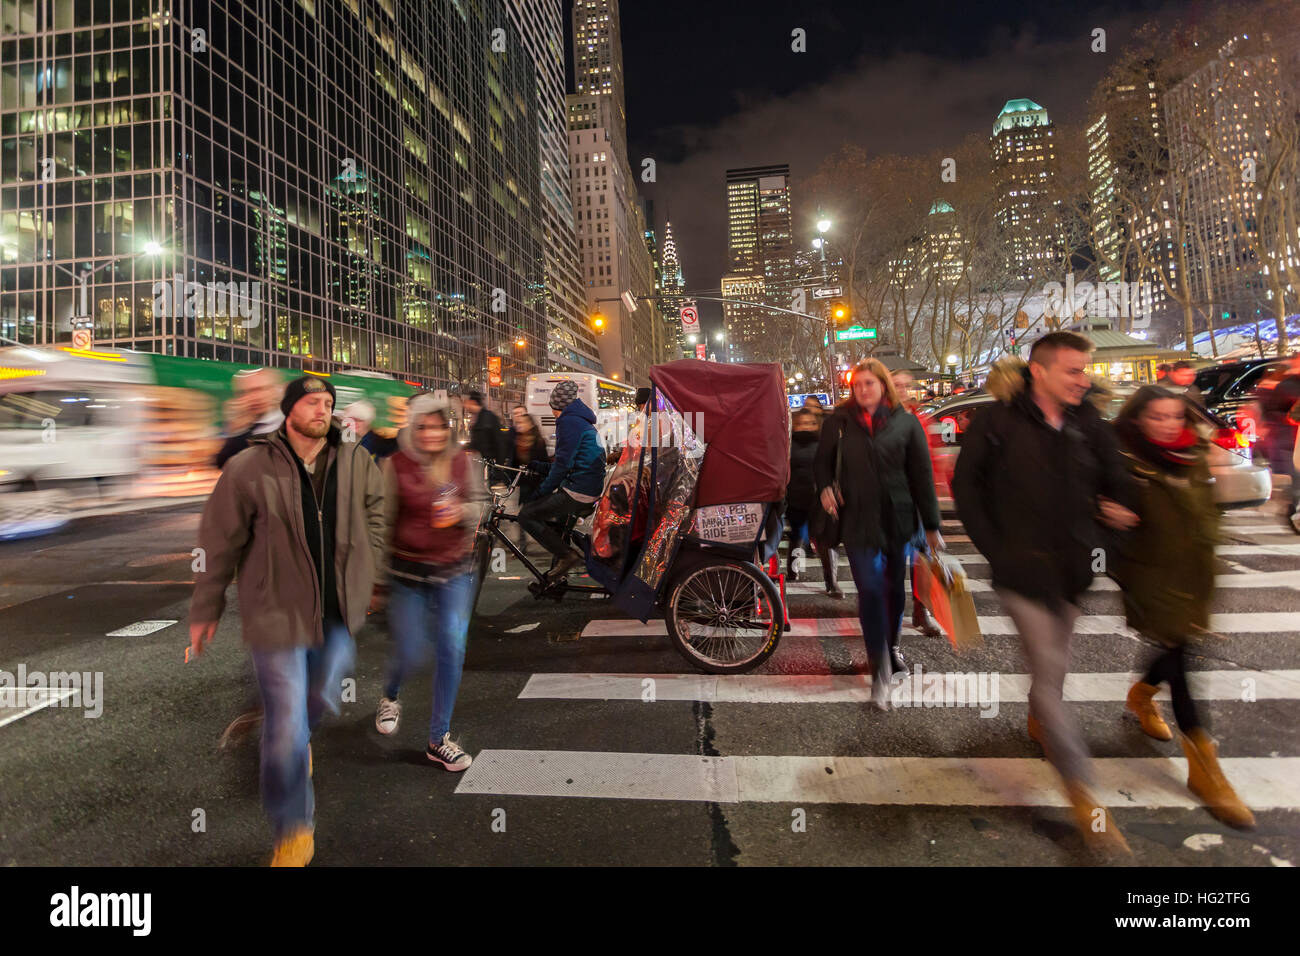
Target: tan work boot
1100, 832
296, 849
1206, 780
1140, 702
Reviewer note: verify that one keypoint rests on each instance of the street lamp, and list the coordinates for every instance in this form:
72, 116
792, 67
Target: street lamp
720, 336
823, 225
520, 342
799, 376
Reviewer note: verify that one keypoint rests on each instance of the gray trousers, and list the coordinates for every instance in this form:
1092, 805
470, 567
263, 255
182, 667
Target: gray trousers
1045, 636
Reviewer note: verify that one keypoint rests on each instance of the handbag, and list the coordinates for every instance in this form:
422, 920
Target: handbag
823, 527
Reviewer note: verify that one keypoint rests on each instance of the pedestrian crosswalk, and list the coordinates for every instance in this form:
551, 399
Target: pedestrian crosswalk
786, 741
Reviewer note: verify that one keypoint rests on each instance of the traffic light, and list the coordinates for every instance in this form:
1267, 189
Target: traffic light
839, 312
846, 377
598, 323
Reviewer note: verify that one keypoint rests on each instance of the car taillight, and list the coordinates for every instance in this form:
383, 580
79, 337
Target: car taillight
1231, 439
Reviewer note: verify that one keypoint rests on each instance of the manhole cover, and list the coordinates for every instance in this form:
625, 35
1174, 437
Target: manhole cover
140, 628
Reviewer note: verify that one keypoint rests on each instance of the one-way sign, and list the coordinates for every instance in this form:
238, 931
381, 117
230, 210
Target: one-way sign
828, 292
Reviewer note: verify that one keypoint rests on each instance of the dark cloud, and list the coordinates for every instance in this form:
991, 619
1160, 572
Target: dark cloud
909, 101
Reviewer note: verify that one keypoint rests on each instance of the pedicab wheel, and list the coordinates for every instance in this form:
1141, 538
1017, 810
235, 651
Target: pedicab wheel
482, 553
725, 617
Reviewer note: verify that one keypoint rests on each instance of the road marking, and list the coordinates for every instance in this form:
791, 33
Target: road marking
1263, 783
51, 698
140, 629
856, 688
1247, 622
1246, 579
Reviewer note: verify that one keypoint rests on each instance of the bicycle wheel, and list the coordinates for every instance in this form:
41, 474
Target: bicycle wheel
482, 554
723, 616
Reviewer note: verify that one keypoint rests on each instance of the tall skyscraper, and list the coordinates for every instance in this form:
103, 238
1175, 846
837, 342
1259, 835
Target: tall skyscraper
672, 286
760, 241
1127, 153
1221, 141
1027, 211
607, 214
570, 343
373, 175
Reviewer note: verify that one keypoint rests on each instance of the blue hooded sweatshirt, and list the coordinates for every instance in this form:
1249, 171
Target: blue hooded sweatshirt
579, 463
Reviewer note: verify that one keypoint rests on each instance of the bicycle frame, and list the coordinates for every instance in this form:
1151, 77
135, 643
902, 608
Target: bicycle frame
493, 530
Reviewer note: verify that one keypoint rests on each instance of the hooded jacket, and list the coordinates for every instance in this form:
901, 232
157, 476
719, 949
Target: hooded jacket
1027, 493
254, 523
579, 463
409, 492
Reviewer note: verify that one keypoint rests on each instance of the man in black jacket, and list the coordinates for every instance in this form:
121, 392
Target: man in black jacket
1035, 474
485, 436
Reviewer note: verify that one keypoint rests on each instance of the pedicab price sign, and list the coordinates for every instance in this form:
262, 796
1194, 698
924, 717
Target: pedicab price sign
734, 524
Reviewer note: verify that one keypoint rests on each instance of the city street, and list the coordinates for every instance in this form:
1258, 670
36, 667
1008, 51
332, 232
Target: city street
594, 743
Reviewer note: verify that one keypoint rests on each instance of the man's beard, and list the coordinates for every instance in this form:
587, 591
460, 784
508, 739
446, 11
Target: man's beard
312, 429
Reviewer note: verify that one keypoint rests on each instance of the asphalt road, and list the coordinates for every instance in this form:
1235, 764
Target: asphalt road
610, 749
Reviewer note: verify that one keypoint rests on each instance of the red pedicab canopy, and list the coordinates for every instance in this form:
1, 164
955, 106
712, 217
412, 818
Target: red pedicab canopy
745, 425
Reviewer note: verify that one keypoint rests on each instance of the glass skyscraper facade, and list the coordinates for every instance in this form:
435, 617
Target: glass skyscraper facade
369, 167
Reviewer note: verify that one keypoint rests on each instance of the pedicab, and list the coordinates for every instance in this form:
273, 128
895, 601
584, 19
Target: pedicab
688, 513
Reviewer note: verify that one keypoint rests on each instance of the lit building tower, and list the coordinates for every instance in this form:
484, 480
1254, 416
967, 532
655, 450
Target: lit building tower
759, 243
1027, 212
383, 207
673, 285
1131, 127
1220, 120
570, 343
609, 223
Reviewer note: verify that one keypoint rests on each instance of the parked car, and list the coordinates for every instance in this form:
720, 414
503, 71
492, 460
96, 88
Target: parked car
1238, 481
1229, 387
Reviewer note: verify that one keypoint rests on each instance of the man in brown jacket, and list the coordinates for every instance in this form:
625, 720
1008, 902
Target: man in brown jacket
299, 514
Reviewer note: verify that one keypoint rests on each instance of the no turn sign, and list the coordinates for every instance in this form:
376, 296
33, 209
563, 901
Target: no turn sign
81, 339
690, 320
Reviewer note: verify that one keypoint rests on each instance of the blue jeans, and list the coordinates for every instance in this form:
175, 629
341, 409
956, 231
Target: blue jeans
298, 686
424, 614
880, 577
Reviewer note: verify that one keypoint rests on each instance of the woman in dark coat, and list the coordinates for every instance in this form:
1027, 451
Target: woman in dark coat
524, 445
873, 472
801, 500
1166, 569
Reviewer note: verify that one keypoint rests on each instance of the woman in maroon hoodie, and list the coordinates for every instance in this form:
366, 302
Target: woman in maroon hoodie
433, 490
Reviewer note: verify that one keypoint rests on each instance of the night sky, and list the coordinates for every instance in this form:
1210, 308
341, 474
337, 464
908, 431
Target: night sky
712, 85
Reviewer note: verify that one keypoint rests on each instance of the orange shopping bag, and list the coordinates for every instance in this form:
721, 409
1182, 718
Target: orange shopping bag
940, 584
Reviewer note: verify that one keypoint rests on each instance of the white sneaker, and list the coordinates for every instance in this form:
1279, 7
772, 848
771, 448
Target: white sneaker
388, 716
449, 754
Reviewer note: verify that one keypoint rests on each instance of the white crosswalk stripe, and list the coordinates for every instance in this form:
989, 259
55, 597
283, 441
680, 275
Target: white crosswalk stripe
1263, 783
1245, 622
856, 688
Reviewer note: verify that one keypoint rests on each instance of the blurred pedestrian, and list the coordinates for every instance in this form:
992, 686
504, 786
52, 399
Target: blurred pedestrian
433, 493
360, 416
253, 411
814, 404
1278, 426
485, 435
873, 472
922, 620
801, 501
1182, 378
1035, 471
524, 446
299, 514
1166, 568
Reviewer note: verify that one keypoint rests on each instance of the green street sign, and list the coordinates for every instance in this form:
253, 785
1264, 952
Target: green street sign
854, 332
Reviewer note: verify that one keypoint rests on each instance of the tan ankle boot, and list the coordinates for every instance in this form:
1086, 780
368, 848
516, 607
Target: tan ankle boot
1035, 730
1101, 834
1206, 780
1140, 702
